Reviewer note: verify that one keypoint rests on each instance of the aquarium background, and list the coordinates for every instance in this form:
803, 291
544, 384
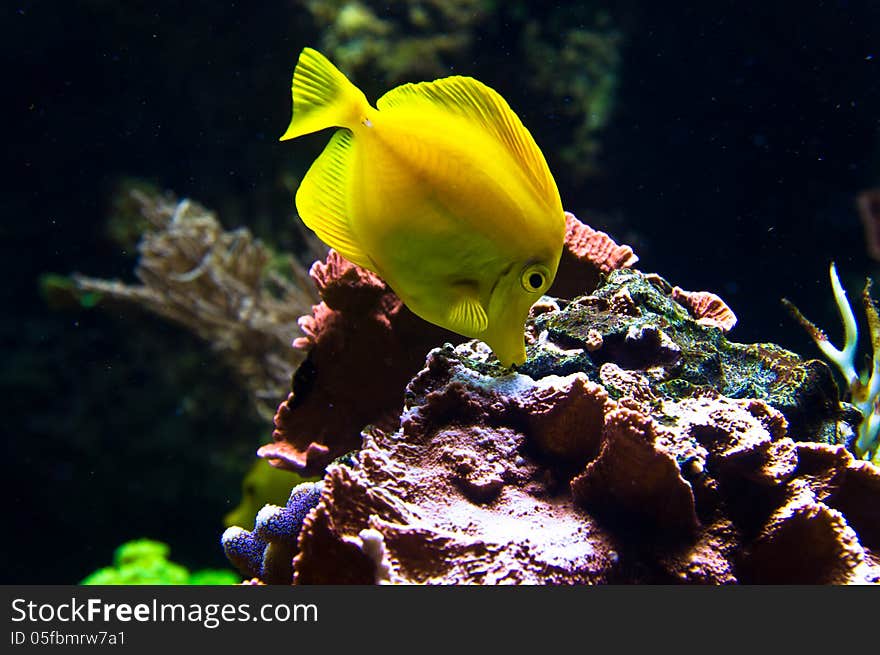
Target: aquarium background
726, 143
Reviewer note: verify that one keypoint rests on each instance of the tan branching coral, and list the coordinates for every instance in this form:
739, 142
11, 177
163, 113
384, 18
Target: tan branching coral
224, 285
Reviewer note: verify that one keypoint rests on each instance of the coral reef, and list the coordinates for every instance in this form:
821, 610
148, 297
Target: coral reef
145, 562
362, 323
701, 490
267, 551
636, 445
225, 286
578, 470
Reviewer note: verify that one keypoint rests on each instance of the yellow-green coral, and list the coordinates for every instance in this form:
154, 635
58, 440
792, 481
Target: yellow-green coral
145, 562
864, 387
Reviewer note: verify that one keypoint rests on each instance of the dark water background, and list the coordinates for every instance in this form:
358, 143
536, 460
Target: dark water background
739, 139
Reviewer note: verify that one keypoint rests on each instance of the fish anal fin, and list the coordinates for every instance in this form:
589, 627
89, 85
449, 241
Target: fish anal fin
321, 199
468, 317
482, 105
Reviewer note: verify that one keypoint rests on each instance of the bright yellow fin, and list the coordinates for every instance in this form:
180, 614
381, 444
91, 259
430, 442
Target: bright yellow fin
321, 199
468, 317
322, 97
473, 100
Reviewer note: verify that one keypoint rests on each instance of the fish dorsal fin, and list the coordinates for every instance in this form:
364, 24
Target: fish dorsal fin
321, 199
322, 97
468, 317
473, 100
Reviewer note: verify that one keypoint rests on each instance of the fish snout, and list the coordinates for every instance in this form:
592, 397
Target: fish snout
510, 347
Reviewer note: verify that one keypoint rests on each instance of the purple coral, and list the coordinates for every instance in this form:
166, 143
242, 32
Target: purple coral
267, 552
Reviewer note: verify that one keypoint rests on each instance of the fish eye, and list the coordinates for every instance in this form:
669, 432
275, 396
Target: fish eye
533, 279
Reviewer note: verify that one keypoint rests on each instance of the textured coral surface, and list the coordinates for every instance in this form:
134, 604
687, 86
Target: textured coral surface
704, 489
636, 445
364, 345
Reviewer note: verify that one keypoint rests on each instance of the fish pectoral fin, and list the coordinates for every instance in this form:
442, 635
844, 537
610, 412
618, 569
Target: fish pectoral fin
468, 317
482, 105
321, 199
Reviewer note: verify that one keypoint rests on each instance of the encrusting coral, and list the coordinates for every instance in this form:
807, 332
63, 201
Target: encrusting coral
702, 490
635, 445
223, 285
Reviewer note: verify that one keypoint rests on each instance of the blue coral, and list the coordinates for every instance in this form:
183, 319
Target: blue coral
267, 551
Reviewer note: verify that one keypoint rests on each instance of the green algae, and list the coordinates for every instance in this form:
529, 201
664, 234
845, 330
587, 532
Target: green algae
145, 562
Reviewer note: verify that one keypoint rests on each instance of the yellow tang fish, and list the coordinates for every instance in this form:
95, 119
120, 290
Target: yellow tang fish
440, 190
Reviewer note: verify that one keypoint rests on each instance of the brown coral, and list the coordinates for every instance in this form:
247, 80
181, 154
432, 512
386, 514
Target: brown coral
476, 475
703, 490
660, 497
363, 346
564, 415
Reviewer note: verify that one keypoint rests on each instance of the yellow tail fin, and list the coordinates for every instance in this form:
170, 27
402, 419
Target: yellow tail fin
322, 97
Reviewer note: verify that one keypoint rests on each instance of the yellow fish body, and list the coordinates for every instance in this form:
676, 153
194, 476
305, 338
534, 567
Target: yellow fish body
440, 190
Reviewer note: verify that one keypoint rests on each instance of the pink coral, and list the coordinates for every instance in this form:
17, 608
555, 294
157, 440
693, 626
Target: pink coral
707, 308
587, 254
